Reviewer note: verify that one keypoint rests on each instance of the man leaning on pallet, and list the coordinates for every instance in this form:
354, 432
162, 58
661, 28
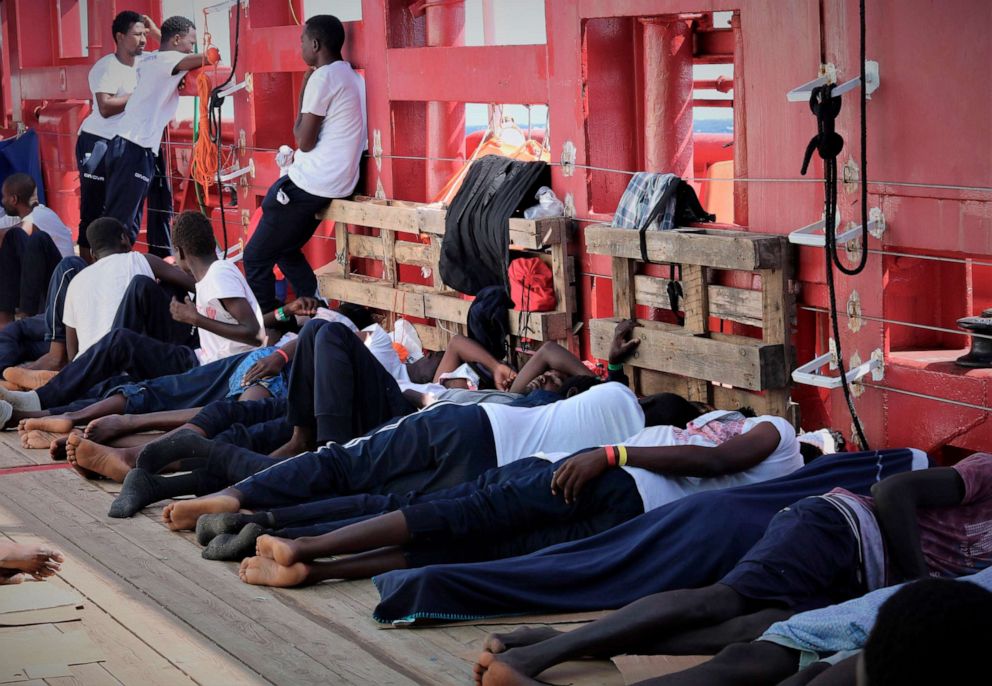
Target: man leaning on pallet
331, 134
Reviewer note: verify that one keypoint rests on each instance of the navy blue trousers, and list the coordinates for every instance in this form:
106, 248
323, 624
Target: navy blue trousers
145, 310
129, 170
258, 425
336, 386
90, 153
121, 351
28, 339
439, 447
279, 239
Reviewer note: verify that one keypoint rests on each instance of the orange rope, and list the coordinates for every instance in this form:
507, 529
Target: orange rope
204, 169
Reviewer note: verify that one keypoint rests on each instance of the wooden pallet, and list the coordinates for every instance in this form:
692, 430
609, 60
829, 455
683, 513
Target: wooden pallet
726, 370
399, 226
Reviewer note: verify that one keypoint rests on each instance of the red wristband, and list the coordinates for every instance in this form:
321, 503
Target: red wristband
283, 353
611, 455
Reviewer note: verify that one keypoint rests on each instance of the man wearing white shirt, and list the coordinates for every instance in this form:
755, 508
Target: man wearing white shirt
331, 134
130, 158
112, 80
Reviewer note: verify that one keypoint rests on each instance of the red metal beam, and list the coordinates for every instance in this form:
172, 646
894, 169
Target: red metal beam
497, 73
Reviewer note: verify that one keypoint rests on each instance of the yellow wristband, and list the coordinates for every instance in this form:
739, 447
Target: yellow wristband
622, 455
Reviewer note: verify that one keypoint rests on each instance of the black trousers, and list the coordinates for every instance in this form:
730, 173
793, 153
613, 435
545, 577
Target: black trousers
279, 239
337, 387
130, 169
90, 160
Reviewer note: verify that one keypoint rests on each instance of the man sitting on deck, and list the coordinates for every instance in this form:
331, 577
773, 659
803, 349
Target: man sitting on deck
226, 315
819, 551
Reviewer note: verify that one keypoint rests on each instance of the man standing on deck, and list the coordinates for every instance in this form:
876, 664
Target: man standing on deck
112, 80
331, 134
130, 158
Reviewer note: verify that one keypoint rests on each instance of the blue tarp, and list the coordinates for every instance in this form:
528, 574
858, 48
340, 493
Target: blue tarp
22, 155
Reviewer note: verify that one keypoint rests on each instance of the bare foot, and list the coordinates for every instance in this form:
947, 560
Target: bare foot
28, 378
56, 424
524, 636
492, 670
37, 439
261, 571
93, 457
40, 561
284, 551
103, 429
183, 514
9, 577
57, 449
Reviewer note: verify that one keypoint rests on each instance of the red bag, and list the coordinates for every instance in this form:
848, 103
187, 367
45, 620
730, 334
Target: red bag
531, 285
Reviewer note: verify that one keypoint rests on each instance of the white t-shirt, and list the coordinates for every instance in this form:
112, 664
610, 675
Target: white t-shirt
8, 220
222, 280
108, 75
45, 219
605, 414
710, 430
336, 93
92, 299
153, 103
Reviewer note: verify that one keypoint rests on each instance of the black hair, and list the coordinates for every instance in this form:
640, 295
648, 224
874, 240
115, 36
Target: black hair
580, 383
104, 235
747, 411
175, 26
932, 631
668, 409
327, 30
359, 315
21, 185
193, 234
123, 22
809, 452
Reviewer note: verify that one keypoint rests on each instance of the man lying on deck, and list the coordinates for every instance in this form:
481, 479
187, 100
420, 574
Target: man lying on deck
533, 503
226, 315
819, 551
441, 446
829, 640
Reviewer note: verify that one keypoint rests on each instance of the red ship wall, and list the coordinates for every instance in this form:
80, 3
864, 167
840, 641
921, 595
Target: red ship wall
617, 78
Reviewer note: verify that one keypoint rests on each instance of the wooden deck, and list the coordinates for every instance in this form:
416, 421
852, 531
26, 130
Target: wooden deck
160, 614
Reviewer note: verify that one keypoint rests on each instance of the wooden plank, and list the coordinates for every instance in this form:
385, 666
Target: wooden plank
368, 247
375, 248
563, 290
419, 254
733, 304
623, 287
435, 259
415, 218
724, 398
341, 264
696, 306
716, 248
371, 292
735, 361
388, 242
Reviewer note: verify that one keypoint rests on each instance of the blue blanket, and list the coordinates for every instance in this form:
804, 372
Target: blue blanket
686, 544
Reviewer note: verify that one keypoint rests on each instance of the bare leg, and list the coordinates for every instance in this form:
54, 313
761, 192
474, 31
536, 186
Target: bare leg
303, 439
53, 360
111, 425
658, 614
379, 532
741, 664
65, 422
183, 514
262, 571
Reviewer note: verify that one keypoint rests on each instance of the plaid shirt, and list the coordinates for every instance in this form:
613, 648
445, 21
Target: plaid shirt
643, 193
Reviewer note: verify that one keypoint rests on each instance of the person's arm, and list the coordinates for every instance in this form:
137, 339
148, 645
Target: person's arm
551, 356
462, 349
305, 306
108, 104
71, 343
195, 61
736, 455
153, 31
247, 330
306, 128
170, 274
272, 364
844, 673
896, 500
623, 346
